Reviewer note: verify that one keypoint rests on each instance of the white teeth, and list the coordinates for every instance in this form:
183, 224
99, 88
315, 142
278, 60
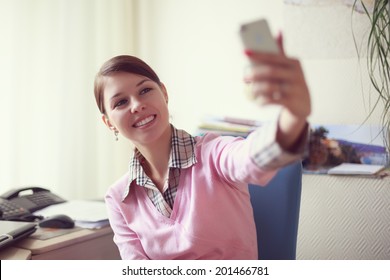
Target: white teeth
144, 121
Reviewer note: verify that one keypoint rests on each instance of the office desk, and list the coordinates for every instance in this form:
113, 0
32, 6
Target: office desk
13, 253
83, 244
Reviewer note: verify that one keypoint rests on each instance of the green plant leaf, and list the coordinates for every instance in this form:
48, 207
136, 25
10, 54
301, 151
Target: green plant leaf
378, 59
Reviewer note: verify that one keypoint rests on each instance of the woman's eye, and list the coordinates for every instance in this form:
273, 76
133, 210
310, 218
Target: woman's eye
120, 103
145, 90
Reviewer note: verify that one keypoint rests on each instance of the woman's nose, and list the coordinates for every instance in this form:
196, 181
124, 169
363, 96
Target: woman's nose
136, 106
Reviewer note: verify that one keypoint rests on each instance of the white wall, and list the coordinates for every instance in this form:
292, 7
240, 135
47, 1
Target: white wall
323, 37
195, 48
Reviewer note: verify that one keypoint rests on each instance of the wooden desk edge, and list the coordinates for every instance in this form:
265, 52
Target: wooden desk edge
37, 246
13, 253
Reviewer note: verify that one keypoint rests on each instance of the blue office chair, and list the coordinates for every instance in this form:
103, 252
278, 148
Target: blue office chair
276, 211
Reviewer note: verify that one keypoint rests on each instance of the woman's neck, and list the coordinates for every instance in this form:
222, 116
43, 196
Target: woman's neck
157, 156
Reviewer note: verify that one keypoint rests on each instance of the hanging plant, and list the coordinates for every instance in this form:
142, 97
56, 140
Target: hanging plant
378, 56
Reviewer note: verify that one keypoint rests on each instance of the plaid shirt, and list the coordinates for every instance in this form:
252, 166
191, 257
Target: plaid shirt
182, 156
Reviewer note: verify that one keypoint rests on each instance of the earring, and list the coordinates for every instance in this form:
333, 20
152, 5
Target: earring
116, 132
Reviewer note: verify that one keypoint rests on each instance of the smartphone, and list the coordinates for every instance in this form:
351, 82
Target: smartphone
257, 36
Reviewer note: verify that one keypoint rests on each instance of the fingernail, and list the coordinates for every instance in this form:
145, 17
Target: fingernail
248, 52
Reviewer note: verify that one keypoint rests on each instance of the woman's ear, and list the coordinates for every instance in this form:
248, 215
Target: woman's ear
165, 93
108, 123
110, 126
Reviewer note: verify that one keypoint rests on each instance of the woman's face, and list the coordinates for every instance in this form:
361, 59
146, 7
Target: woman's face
136, 106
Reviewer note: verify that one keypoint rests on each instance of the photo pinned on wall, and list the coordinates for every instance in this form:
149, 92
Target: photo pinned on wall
332, 145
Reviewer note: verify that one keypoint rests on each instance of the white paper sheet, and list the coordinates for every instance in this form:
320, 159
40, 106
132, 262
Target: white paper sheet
355, 169
78, 210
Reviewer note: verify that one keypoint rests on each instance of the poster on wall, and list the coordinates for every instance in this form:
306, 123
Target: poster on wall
333, 145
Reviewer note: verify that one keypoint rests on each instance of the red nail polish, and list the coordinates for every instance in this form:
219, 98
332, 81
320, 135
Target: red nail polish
248, 52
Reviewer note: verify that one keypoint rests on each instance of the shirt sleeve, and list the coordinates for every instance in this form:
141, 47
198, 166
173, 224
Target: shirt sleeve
253, 160
266, 152
129, 245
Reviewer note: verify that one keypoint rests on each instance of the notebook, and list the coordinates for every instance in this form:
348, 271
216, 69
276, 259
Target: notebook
11, 232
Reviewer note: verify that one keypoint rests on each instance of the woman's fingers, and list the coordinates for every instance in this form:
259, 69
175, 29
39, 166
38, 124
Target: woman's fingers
270, 92
277, 79
263, 72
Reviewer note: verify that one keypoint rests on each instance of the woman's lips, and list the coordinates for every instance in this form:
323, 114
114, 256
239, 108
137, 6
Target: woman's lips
144, 121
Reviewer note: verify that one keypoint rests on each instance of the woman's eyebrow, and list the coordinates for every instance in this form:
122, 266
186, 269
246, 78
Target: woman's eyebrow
115, 95
137, 85
141, 82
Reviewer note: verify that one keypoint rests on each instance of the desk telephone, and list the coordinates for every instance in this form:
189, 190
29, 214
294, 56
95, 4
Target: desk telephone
21, 202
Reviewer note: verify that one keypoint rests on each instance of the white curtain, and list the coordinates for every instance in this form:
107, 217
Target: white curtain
51, 131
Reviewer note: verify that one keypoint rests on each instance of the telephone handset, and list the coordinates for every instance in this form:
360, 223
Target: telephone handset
23, 201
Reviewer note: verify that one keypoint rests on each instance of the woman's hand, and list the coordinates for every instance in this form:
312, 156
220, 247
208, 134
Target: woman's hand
278, 79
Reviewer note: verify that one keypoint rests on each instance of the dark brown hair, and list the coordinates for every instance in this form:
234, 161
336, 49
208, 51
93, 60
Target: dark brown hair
121, 63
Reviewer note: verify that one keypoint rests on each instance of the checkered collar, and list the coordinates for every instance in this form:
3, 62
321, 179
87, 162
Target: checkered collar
182, 156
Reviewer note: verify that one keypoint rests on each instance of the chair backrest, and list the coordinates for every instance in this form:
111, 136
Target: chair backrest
276, 211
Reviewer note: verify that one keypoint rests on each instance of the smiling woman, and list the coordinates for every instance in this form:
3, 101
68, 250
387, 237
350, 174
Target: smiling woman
48, 56
181, 192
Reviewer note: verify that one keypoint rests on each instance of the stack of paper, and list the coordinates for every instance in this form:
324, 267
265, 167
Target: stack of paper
227, 126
